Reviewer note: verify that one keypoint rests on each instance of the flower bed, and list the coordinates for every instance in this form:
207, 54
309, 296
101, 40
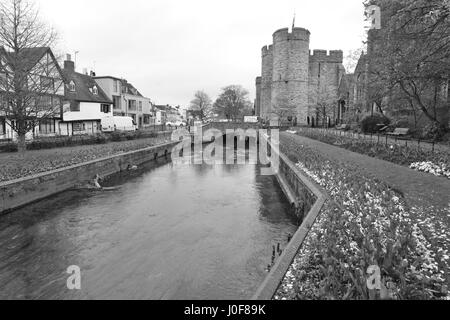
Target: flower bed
429, 167
402, 155
366, 224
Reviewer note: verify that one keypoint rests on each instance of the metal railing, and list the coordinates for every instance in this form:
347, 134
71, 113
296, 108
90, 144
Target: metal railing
379, 139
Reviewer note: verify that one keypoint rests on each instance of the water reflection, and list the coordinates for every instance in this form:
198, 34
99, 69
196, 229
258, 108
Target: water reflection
169, 232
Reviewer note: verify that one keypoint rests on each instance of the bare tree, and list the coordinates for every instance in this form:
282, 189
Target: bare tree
411, 56
282, 110
324, 106
29, 75
351, 59
233, 102
203, 104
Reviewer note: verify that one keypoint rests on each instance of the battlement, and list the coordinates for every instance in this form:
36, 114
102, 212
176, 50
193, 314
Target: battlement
281, 35
267, 50
325, 56
296, 34
300, 34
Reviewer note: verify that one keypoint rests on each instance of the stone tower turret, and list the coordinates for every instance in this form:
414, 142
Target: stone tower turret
258, 97
290, 72
266, 81
293, 81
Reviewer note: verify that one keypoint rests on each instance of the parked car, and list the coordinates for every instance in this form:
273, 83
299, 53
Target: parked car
111, 124
175, 124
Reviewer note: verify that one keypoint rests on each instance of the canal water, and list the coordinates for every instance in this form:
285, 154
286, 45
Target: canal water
168, 232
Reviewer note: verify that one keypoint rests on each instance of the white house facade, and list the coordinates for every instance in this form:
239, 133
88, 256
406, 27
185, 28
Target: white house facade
86, 104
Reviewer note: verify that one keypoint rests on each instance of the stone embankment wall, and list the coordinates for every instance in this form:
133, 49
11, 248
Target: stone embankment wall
17, 193
308, 200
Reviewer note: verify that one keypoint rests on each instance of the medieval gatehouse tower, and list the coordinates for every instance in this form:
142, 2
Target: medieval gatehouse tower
293, 80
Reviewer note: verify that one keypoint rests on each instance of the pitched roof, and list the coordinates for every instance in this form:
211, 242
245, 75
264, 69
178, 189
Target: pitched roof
83, 86
161, 107
360, 67
29, 56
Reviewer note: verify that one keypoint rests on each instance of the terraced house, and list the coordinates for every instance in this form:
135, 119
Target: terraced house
127, 100
31, 94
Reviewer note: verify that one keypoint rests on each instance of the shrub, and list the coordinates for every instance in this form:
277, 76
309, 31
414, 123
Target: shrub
8, 147
100, 139
64, 141
371, 124
433, 132
116, 136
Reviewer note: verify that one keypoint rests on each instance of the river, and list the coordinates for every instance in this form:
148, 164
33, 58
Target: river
168, 232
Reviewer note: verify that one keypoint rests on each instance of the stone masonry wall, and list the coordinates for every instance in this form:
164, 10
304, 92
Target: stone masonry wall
266, 80
17, 193
325, 72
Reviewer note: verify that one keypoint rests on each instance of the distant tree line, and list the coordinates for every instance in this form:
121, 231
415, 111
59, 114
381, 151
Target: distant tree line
232, 104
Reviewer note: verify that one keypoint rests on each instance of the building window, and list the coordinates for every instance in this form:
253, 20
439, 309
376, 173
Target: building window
95, 90
116, 86
2, 101
3, 80
132, 105
140, 106
47, 126
74, 106
78, 126
72, 86
116, 102
44, 102
105, 108
47, 83
2, 126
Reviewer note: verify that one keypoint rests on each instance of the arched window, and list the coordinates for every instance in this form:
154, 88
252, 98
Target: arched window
95, 90
72, 86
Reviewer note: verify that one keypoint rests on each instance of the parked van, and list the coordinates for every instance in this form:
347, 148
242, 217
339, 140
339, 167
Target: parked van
111, 124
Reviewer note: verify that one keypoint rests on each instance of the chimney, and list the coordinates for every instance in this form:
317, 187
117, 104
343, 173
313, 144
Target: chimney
85, 72
69, 64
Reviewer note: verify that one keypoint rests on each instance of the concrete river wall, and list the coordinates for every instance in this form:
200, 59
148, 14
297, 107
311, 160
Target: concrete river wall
307, 199
17, 193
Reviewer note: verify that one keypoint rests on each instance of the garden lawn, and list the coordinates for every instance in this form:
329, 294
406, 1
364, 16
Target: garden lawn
435, 162
14, 165
380, 214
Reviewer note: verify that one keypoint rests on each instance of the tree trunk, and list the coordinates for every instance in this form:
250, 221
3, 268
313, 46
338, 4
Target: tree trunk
21, 144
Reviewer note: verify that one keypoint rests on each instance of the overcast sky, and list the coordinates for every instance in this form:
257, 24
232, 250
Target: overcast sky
170, 48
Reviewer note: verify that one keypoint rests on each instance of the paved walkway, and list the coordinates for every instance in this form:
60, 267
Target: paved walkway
421, 189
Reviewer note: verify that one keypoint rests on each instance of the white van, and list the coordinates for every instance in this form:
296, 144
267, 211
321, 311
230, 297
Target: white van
111, 124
